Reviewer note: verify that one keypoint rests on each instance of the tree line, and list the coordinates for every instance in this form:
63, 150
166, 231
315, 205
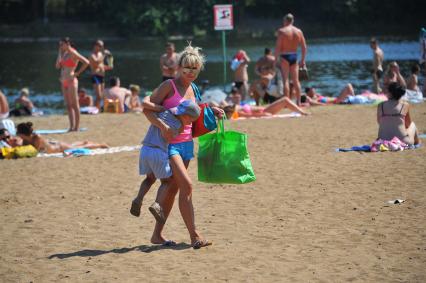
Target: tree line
166, 17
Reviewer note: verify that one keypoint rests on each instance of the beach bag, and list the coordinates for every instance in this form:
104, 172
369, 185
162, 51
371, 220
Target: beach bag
19, 151
206, 122
223, 158
303, 74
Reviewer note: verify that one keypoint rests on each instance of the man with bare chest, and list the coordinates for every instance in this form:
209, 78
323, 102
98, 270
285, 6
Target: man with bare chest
289, 38
168, 62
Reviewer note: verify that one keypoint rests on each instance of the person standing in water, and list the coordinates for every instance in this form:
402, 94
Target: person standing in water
377, 71
289, 39
67, 61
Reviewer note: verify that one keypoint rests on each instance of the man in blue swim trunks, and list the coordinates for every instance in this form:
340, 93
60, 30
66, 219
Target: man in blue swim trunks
289, 38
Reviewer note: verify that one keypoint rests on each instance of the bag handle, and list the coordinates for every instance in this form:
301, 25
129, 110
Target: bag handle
220, 129
196, 91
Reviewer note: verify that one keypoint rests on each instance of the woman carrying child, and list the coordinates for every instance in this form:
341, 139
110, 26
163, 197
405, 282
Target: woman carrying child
181, 148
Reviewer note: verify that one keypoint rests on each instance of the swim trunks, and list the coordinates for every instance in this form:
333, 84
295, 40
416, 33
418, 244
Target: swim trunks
291, 58
267, 98
97, 79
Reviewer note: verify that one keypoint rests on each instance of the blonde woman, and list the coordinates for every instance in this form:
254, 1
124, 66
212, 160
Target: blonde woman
67, 62
181, 148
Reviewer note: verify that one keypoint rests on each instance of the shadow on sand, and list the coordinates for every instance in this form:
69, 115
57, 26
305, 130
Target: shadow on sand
141, 248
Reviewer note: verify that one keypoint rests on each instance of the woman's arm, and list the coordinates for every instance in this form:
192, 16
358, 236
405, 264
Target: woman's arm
407, 117
58, 59
379, 112
82, 59
147, 104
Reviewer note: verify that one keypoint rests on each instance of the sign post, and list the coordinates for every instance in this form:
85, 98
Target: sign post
223, 20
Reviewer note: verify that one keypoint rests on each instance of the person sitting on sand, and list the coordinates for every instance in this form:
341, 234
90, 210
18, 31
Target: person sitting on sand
394, 119
84, 99
26, 132
135, 104
4, 106
23, 104
413, 92
117, 93
259, 111
154, 159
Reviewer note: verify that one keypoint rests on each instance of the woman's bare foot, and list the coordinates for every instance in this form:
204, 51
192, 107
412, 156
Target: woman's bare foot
160, 240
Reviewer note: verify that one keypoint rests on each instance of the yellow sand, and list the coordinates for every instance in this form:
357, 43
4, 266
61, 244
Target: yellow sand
313, 215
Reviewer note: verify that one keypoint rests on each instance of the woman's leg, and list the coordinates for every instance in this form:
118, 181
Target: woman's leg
166, 204
413, 134
181, 176
348, 90
282, 103
65, 92
75, 107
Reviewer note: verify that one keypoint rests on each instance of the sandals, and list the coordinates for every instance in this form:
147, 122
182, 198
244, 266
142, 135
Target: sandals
201, 243
157, 212
135, 209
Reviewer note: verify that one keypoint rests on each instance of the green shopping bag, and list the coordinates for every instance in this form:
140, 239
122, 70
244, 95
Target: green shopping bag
223, 158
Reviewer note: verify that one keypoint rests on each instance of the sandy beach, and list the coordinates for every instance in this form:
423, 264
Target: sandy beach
313, 215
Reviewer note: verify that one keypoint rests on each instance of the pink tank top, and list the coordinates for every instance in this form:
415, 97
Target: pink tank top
174, 101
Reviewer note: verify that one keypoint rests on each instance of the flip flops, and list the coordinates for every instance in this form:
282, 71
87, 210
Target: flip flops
135, 209
201, 243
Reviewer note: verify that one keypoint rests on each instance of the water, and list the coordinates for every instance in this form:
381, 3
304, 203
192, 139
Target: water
332, 63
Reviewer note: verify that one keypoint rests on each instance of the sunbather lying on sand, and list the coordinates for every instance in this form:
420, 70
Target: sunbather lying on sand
26, 132
259, 111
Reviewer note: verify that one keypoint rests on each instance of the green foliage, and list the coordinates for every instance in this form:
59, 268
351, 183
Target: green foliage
168, 17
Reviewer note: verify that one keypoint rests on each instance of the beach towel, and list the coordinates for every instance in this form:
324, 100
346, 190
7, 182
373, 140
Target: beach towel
58, 131
86, 152
92, 110
289, 115
422, 136
380, 145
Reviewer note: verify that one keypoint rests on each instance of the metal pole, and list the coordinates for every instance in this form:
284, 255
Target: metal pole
224, 57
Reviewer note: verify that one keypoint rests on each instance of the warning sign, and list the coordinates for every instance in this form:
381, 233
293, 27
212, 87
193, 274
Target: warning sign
223, 17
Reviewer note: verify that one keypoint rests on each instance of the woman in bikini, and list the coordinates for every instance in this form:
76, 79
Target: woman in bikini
26, 132
67, 61
259, 111
393, 117
181, 148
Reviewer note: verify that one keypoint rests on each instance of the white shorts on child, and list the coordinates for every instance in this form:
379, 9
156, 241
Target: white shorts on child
154, 160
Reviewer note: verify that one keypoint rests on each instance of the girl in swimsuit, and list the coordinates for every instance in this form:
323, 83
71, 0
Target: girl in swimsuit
26, 132
393, 117
170, 94
259, 111
67, 62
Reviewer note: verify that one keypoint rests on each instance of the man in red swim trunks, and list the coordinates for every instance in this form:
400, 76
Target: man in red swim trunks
289, 38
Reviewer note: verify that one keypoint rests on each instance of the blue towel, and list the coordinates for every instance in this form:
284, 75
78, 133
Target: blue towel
365, 148
77, 151
60, 131
422, 136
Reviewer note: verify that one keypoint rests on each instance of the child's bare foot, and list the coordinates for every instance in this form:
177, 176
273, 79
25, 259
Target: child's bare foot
135, 209
157, 212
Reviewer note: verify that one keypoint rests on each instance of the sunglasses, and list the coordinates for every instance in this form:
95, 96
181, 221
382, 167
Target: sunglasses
5, 138
193, 70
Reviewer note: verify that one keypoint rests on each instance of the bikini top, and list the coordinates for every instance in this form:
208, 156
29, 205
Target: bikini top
68, 62
394, 114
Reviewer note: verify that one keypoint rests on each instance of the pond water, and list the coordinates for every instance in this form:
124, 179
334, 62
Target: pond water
331, 63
